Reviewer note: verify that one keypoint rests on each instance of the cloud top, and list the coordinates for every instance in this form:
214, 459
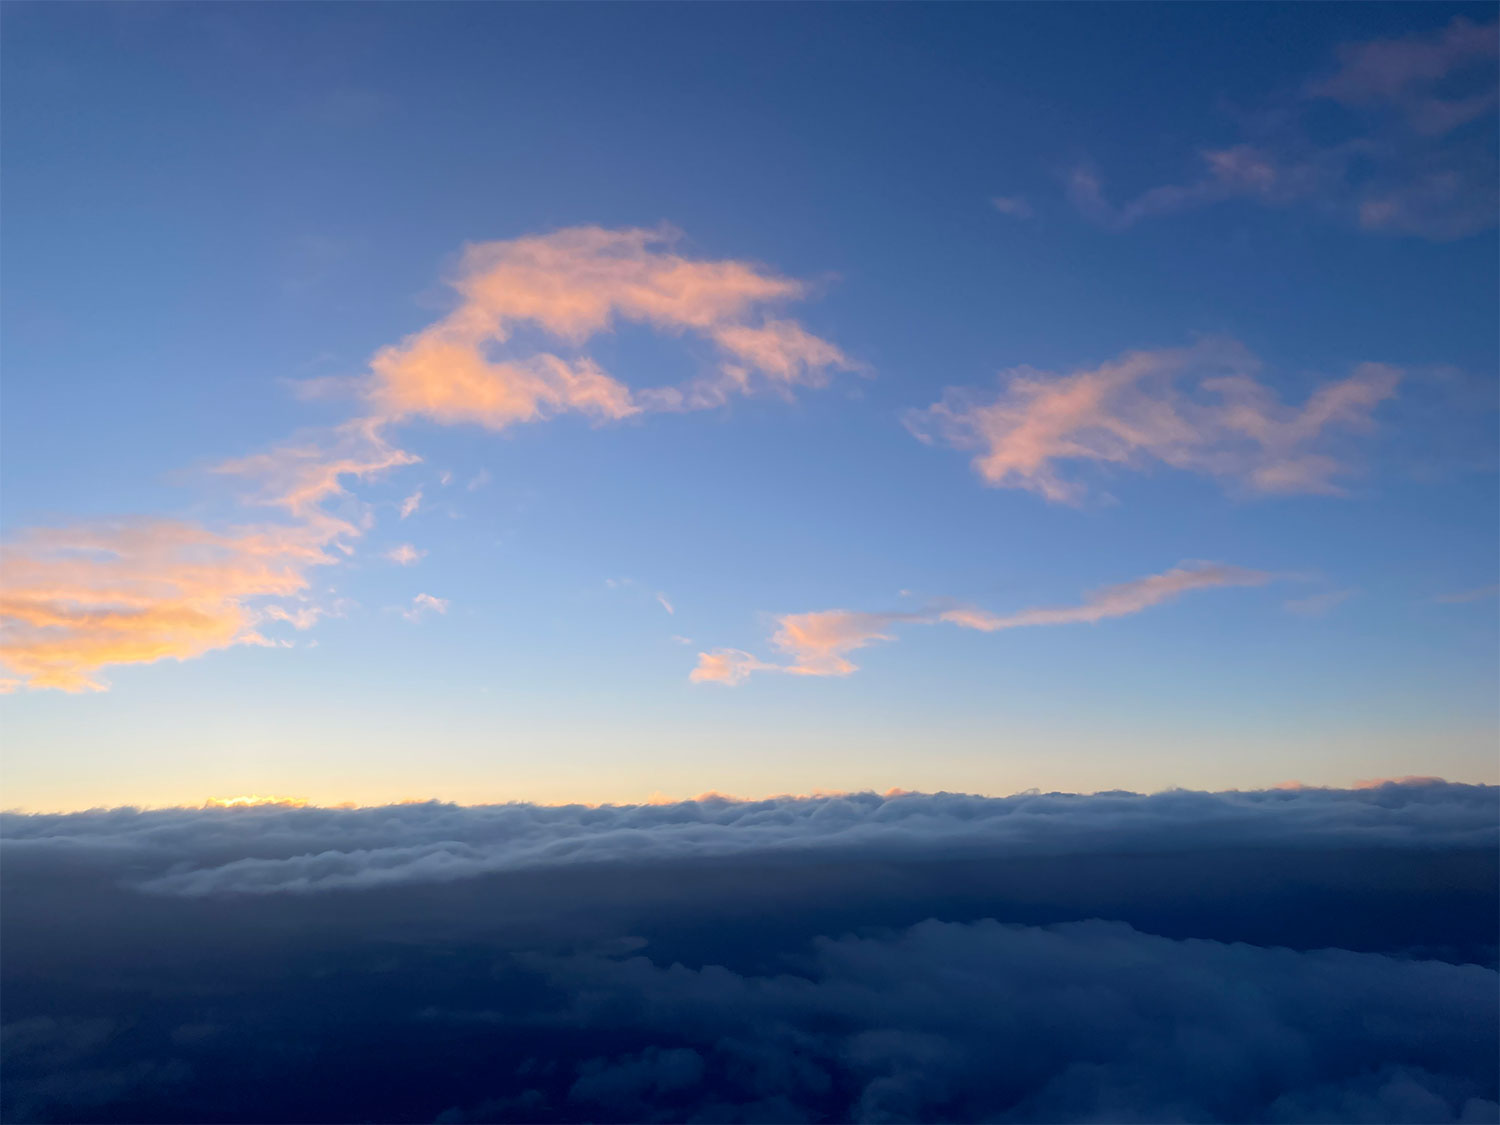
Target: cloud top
272, 849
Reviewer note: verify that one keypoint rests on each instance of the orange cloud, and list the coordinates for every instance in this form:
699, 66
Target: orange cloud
1199, 409
819, 643
302, 476
79, 599
727, 666
572, 285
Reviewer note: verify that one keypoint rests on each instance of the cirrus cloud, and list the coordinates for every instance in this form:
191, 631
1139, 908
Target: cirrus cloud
1198, 409
819, 643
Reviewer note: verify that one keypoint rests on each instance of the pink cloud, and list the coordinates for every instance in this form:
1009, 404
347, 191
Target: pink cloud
423, 605
726, 666
1116, 601
819, 644
1399, 166
1199, 409
405, 554
80, 599
573, 285
1405, 73
1013, 205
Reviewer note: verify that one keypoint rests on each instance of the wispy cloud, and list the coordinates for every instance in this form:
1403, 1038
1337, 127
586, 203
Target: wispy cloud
423, 605
79, 599
1200, 409
1013, 205
1316, 605
1405, 162
1117, 601
665, 603
573, 285
819, 644
301, 476
1410, 75
83, 598
1469, 595
405, 554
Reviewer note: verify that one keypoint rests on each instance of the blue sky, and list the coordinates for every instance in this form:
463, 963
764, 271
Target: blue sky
210, 209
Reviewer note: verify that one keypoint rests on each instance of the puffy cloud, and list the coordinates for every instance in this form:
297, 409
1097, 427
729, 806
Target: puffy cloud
1085, 1021
262, 850
570, 286
819, 643
1200, 409
1405, 163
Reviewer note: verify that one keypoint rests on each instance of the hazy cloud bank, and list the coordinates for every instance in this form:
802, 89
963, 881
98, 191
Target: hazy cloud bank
302, 850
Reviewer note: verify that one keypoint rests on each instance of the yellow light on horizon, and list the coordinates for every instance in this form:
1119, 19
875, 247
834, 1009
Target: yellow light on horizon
252, 799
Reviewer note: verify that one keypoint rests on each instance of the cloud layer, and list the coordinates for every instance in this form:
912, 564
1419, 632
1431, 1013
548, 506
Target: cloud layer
271, 849
819, 643
1290, 955
1200, 409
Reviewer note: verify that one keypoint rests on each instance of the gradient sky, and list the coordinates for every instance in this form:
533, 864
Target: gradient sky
471, 401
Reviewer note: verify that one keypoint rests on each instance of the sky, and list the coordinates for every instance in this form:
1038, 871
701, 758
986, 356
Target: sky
488, 403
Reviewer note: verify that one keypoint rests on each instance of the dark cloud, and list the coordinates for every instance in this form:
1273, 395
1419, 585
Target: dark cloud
1277, 956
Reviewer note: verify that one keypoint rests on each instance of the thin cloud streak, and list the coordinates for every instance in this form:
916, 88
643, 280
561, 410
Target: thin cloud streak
1465, 596
819, 644
1316, 605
